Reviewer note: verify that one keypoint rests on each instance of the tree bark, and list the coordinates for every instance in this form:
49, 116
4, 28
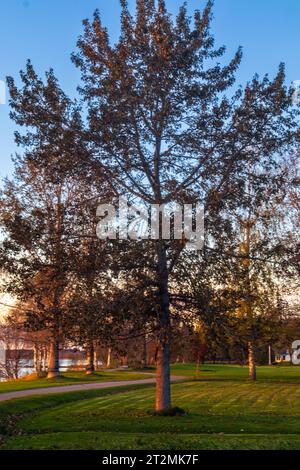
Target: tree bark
95, 359
144, 362
251, 360
36, 357
108, 361
270, 355
90, 367
44, 358
198, 364
40, 358
53, 359
163, 390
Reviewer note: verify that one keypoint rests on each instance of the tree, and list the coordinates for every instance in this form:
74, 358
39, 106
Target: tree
90, 297
16, 320
159, 120
162, 130
33, 253
13, 345
41, 210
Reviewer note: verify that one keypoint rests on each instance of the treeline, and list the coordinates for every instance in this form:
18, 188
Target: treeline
159, 122
27, 352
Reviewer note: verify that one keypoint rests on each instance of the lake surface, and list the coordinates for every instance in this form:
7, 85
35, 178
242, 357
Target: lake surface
65, 364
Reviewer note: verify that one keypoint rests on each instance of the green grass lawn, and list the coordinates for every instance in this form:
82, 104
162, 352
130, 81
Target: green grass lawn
71, 378
235, 372
224, 411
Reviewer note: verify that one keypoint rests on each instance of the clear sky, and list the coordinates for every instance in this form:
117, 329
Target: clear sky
46, 30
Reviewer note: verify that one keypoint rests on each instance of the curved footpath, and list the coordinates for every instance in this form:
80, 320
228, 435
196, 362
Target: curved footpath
80, 387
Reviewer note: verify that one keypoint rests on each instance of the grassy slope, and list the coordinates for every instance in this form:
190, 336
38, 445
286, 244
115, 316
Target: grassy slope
224, 412
70, 378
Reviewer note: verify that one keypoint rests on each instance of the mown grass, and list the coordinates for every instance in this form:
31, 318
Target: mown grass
224, 411
71, 378
207, 373
237, 373
157, 441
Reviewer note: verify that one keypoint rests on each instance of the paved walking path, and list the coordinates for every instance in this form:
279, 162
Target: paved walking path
78, 387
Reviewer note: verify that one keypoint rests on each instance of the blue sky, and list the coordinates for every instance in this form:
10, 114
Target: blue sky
46, 31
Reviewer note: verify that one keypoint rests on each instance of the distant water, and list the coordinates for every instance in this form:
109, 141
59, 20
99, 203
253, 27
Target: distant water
65, 364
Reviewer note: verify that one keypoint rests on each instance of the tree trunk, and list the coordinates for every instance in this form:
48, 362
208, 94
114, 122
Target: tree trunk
90, 367
108, 361
40, 359
270, 355
145, 362
95, 359
44, 358
53, 359
198, 364
163, 389
36, 357
251, 360
163, 392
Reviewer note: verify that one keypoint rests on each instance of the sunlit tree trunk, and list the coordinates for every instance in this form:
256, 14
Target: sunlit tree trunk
247, 264
90, 367
36, 357
44, 358
40, 358
270, 354
95, 359
53, 359
251, 360
145, 363
108, 360
163, 390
